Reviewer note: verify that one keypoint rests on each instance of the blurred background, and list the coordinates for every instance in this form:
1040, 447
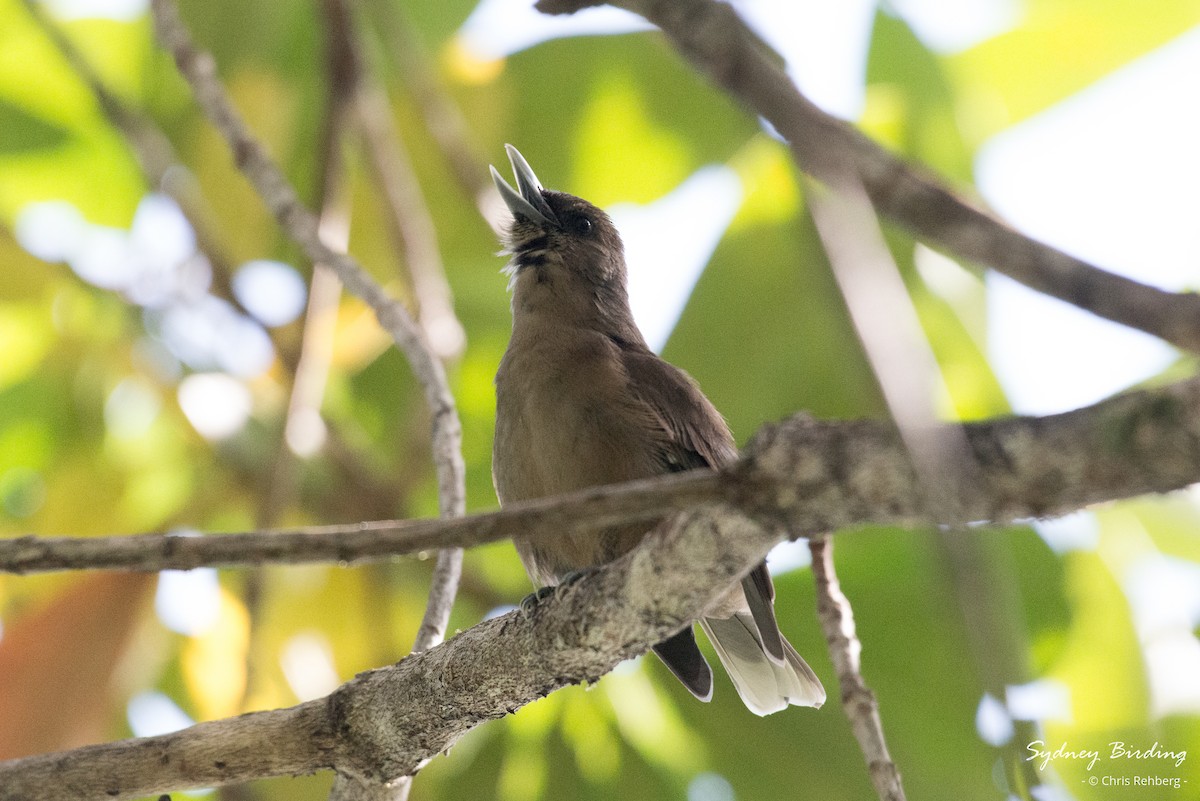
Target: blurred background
167, 363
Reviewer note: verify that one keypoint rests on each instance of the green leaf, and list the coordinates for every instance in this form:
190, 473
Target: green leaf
21, 131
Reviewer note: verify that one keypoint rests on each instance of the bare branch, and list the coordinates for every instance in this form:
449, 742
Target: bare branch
358, 542
276, 743
820, 476
862, 710
712, 36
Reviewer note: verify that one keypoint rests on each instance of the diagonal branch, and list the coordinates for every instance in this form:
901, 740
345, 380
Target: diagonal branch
720, 45
819, 475
199, 70
386, 723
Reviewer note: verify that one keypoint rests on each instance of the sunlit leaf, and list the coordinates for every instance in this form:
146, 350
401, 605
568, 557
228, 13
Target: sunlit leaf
1061, 47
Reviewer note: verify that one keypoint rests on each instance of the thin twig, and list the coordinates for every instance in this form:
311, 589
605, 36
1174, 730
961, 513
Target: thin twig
357, 543
837, 621
904, 364
412, 224
715, 39
251, 158
443, 118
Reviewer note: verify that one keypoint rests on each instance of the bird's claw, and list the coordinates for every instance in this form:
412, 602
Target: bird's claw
530, 601
575, 576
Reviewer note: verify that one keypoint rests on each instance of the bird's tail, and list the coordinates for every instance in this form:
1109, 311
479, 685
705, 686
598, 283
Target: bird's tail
764, 685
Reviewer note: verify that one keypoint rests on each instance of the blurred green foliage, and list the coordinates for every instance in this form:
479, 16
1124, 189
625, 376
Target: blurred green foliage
615, 119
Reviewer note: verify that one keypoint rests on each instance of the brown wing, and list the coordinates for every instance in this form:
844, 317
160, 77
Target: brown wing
695, 435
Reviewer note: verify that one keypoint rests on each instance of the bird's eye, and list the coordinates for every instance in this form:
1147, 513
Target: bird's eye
581, 226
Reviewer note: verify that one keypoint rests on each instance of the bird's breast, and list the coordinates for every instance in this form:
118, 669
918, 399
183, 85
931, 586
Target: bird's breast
562, 424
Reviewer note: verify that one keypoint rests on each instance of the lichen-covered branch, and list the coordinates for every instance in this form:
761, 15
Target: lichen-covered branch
820, 475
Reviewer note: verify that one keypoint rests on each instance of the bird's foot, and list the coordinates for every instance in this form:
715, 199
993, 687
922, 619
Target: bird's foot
530, 601
575, 576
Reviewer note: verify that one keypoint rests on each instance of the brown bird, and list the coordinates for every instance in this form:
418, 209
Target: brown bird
582, 401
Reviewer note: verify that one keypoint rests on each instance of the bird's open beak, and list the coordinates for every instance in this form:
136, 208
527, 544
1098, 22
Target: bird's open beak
527, 203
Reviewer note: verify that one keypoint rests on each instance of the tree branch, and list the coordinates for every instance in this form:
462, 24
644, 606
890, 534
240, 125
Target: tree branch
279, 742
819, 475
720, 45
858, 701
799, 477
357, 542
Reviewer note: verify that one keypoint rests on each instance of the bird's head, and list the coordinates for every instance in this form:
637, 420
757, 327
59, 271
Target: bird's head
566, 253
